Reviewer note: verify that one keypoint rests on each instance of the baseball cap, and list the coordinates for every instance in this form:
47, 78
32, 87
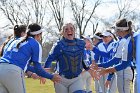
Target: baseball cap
107, 34
95, 36
87, 37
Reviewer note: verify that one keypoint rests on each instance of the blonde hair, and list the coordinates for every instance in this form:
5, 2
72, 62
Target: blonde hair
63, 28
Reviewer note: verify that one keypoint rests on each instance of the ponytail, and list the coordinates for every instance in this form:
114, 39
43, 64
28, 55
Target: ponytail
132, 39
3, 45
112, 34
25, 39
33, 29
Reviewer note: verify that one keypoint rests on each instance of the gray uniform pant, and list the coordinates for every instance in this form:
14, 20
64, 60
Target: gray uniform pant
69, 85
100, 85
135, 84
124, 78
11, 79
2, 89
87, 81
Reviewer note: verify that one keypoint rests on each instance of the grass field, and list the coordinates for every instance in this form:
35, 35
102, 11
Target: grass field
34, 86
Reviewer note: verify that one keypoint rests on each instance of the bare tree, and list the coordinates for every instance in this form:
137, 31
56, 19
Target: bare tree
124, 8
38, 9
57, 7
82, 15
24, 11
13, 11
94, 26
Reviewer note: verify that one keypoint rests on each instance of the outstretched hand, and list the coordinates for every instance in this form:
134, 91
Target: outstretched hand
56, 78
42, 80
35, 76
94, 66
94, 74
101, 71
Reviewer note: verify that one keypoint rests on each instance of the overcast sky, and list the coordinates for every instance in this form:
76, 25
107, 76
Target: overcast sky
104, 11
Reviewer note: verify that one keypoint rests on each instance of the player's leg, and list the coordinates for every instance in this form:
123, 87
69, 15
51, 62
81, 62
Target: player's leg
97, 86
13, 79
84, 78
88, 83
102, 83
60, 88
124, 78
113, 85
3, 89
77, 86
63, 86
128, 79
135, 84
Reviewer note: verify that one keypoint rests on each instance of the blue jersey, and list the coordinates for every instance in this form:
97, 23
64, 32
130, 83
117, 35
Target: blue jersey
70, 55
96, 55
107, 51
7, 45
28, 51
123, 55
90, 56
109, 48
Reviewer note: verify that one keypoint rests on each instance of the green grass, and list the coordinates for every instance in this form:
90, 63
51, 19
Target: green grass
34, 86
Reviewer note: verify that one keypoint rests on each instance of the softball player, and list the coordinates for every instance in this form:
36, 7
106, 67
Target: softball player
16, 57
123, 55
107, 46
90, 56
19, 31
96, 41
70, 53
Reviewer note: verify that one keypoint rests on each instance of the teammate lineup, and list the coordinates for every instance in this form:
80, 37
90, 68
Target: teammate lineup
108, 57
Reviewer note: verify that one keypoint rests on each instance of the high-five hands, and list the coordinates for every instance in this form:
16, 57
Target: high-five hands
42, 80
94, 66
94, 74
102, 71
56, 79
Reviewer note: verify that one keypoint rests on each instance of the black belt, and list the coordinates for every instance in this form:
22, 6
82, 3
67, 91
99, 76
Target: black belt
69, 77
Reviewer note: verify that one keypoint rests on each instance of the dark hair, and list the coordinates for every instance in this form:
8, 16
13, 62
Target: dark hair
125, 23
18, 29
99, 34
31, 28
3, 45
112, 34
34, 27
